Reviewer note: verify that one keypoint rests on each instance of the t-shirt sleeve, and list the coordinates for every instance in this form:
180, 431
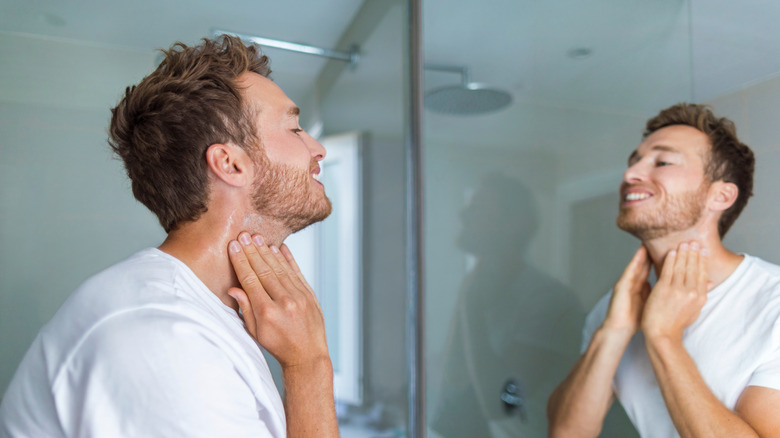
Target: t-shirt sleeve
157, 375
768, 373
594, 320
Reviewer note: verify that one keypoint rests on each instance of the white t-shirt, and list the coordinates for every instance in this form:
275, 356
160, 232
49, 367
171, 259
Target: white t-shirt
143, 349
735, 343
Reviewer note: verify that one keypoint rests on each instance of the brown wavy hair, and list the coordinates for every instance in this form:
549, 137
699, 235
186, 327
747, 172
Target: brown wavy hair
162, 127
729, 159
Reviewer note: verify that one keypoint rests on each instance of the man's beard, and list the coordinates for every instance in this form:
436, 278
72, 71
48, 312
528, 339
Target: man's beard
677, 213
287, 195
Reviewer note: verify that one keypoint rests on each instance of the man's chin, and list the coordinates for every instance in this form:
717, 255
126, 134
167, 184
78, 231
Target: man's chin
324, 214
317, 215
643, 232
326, 210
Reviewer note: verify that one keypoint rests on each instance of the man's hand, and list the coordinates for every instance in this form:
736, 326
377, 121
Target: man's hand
629, 295
279, 306
282, 313
679, 295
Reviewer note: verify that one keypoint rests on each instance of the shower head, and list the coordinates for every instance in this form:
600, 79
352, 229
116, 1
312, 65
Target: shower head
466, 98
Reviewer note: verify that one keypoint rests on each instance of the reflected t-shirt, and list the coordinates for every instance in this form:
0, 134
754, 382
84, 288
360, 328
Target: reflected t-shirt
735, 343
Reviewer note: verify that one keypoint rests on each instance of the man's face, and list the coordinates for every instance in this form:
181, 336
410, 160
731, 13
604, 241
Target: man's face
664, 189
286, 187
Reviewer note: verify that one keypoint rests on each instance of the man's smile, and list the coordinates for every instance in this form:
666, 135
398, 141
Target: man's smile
315, 173
635, 195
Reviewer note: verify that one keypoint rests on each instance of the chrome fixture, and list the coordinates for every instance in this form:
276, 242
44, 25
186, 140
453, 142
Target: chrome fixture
465, 98
351, 57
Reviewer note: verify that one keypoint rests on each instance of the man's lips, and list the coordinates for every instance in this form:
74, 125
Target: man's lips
634, 195
315, 173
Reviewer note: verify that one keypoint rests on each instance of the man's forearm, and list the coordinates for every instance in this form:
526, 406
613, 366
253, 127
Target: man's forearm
694, 409
578, 406
308, 403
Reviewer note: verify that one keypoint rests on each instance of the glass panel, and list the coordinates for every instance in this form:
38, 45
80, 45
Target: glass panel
521, 202
67, 209
369, 99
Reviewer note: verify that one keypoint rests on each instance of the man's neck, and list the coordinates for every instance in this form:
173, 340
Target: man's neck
203, 246
721, 261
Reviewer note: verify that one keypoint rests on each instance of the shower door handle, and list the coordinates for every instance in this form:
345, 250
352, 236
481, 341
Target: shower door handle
513, 399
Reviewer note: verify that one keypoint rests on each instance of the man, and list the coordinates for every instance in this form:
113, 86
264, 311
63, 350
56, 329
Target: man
155, 346
509, 319
699, 354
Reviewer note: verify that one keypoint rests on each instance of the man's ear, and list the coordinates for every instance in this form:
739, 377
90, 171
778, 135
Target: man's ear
723, 195
229, 163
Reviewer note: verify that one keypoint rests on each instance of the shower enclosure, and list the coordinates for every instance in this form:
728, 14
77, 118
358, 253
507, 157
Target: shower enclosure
519, 202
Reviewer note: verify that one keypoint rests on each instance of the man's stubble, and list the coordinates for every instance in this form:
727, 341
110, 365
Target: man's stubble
677, 213
287, 194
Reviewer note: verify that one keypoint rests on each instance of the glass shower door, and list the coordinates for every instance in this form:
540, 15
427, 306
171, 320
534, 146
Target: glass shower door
522, 160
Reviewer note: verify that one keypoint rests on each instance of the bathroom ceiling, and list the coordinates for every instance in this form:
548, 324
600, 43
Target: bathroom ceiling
716, 46
640, 52
147, 25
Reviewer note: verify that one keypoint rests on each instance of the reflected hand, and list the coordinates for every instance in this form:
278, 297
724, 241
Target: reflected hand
278, 305
629, 295
679, 295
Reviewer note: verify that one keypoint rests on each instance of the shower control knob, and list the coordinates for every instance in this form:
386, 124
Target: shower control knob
513, 399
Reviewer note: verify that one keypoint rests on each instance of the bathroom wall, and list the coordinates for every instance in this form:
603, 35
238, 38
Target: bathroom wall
66, 210
754, 109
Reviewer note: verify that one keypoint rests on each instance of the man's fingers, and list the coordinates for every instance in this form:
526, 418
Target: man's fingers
286, 259
246, 309
646, 289
640, 264
646, 266
290, 259
637, 269
264, 265
288, 269
294, 265
283, 262
261, 269
692, 267
680, 265
245, 272
667, 272
255, 249
704, 283
267, 254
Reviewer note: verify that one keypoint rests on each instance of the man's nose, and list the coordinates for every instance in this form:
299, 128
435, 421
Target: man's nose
635, 172
316, 148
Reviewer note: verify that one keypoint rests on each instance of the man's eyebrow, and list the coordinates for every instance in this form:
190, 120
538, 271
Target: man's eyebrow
633, 157
664, 148
294, 111
659, 147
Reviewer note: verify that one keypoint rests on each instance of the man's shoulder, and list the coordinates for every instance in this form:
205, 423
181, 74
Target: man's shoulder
755, 283
759, 273
145, 297
145, 278
147, 265
757, 263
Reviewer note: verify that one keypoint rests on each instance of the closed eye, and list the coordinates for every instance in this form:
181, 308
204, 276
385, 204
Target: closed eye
296, 130
662, 163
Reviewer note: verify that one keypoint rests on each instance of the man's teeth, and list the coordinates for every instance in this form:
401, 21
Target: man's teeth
636, 196
316, 176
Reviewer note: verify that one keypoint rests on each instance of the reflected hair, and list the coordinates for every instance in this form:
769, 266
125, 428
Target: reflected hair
163, 126
729, 159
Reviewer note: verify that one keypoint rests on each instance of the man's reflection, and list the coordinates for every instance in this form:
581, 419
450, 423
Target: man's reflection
512, 323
